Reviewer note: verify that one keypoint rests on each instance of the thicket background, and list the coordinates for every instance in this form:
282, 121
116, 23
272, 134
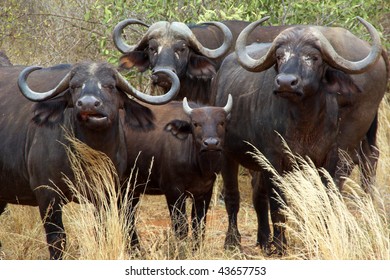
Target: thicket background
56, 31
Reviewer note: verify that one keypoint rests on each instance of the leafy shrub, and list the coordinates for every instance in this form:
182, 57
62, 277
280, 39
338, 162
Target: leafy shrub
55, 32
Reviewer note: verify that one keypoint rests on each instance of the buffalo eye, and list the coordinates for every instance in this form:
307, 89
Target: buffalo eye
311, 57
280, 59
153, 50
75, 86
182, 49
195, 124
109, 87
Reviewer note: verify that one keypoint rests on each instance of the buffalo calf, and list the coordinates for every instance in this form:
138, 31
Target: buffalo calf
186, 148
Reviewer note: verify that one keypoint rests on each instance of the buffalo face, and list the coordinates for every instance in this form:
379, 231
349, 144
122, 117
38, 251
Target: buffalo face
208, 135
170, 45
95, 97
299, 66
208, 125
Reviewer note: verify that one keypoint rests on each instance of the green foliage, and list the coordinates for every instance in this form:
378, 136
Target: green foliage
33, 31
329, 12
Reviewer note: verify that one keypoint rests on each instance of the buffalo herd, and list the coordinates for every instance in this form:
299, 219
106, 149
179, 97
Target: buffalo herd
231, 86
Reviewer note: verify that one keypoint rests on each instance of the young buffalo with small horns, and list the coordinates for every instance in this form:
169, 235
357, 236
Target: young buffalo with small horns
185, 153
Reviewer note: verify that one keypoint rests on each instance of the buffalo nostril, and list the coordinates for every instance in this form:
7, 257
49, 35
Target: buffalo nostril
88, 102
287, 80
211, 142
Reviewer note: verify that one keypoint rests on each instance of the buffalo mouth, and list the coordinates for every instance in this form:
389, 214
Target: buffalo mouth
288, 94
162, 82
211, 150
94, 119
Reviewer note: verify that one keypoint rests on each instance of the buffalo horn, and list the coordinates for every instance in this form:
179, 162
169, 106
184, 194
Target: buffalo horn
254, 65
353, 67
187, 109
118, 39
40, 96
229, 105
223, 49
156, 100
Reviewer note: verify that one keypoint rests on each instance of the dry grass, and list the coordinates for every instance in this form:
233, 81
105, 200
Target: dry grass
322, 223
94, 232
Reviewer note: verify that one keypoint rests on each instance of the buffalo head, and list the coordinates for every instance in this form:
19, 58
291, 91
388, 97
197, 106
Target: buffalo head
207, 126
170, 45
306, 61
95, 92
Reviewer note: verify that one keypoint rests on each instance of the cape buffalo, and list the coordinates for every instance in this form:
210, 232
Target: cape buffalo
311, 86
86, 99
186, 150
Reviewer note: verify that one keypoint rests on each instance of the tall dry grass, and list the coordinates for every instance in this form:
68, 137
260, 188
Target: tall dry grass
321, 224
324, 223
98, 227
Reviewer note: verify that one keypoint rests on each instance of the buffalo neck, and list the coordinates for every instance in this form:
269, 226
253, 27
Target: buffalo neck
315, 111
311, 129
209, 162
110, 141
195, 89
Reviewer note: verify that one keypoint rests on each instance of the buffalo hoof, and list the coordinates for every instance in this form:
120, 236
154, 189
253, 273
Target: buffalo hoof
266, 247
276, 249
232, 241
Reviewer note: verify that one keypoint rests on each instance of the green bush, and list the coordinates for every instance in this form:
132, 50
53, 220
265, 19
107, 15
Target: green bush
55, 31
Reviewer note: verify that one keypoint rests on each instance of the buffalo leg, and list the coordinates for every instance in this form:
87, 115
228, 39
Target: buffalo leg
366, 158
279, 239
232, 202
131, 215
200, 207
177, 210
51, 214
260, 203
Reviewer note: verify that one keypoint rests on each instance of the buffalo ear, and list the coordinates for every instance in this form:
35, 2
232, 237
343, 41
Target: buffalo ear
338, 81
51, 112
138, 116
179, 128
135, 58
201, 67
342, 84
